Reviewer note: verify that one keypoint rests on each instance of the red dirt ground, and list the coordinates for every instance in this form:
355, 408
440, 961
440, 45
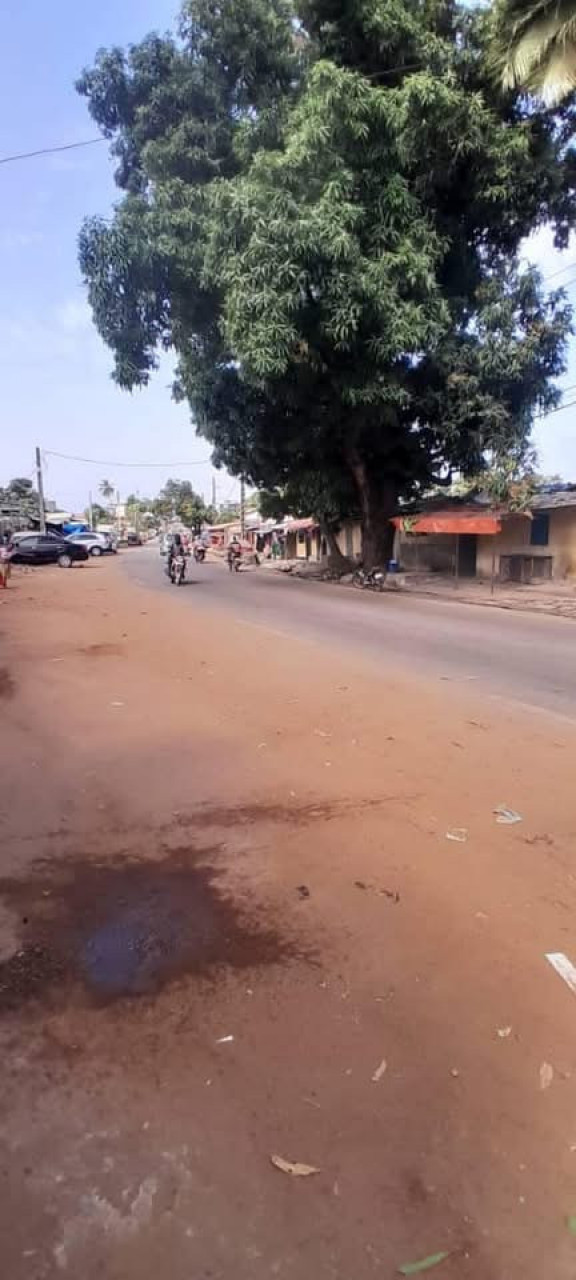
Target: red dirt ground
205, 835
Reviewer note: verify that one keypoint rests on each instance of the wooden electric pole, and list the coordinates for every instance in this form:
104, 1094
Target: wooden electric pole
242, 507
40, 487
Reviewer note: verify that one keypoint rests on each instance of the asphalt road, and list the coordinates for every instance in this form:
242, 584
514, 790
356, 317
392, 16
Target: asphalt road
516, 656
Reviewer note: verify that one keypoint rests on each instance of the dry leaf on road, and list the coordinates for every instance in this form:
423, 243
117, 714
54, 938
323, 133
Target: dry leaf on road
295, 1168
380, 1071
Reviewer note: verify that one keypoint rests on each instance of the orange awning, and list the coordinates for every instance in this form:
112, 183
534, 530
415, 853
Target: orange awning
449, 522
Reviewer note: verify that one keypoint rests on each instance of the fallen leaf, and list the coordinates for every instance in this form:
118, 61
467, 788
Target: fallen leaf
425, 1264
546, 1075
504, 1032
506, 817
225, 1040
380, 1071
459, 834
295, 1168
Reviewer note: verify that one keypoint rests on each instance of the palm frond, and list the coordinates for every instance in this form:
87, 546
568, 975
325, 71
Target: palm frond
534, 47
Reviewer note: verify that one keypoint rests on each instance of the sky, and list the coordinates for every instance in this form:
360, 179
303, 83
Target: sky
56, 390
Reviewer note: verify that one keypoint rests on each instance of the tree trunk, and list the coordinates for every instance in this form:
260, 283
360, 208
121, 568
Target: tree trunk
336, 560
378, 500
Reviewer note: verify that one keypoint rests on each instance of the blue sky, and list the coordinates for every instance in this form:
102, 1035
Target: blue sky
55, 372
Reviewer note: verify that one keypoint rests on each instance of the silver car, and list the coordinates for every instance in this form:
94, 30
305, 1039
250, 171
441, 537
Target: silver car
96, 544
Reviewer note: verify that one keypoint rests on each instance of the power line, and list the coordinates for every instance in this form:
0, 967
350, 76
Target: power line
558, 409
560, 270
99, 462
50, 151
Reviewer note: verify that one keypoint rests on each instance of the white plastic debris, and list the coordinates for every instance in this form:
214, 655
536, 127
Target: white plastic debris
505, 816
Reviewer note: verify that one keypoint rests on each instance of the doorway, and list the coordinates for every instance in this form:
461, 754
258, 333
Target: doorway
467, 555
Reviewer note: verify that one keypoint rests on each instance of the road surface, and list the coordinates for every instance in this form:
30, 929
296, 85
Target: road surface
255, 904
519, 656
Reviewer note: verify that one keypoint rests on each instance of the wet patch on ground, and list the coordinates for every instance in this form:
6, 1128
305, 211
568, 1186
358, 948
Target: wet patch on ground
7, 683
128, 928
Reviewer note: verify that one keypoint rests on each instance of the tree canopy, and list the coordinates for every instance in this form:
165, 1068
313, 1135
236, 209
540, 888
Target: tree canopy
178, 500
322, 212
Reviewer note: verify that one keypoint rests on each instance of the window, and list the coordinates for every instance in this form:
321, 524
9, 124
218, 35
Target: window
539, 530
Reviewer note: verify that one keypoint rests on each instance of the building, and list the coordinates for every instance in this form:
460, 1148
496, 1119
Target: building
470, 537
305, 540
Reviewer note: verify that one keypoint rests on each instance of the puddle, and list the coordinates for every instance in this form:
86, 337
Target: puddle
128, 929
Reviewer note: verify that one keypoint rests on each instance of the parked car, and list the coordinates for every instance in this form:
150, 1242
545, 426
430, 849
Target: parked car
46, 548
96, 544
133, 540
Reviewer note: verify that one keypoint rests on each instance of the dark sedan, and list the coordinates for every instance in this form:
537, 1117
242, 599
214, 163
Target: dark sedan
46, 548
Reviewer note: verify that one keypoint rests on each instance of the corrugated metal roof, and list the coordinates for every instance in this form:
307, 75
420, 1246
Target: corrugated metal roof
551, 500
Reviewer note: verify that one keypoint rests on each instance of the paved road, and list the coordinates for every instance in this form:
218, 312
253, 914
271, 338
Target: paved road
518, 656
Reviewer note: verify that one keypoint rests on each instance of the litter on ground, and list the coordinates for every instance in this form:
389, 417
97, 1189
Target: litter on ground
459, 834
295, 1168
425, 1264
546, 1075
380, 1071
563, 967
505, 816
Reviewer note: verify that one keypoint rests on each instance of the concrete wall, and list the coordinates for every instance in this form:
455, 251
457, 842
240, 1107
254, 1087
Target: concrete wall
349, 539
515, 540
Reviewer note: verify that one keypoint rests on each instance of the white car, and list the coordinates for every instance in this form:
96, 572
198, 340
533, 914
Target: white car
96, 544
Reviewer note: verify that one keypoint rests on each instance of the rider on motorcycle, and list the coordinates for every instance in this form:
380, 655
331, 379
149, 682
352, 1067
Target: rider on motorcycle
176, 549
234, 552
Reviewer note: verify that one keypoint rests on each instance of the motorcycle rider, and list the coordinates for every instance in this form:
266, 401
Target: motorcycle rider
176, 549
234, 552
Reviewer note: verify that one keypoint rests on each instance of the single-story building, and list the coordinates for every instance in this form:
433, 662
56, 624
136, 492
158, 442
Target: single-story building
305, 540
477, 540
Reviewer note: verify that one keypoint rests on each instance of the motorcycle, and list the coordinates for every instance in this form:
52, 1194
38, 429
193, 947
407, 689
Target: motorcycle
370, 579
178, 570
234, 560
199, 554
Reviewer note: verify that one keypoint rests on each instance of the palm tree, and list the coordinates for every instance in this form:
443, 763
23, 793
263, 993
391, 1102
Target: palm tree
106, 489
535, 47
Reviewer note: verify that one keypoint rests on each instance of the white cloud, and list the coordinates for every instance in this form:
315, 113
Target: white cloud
12, 240
74, 315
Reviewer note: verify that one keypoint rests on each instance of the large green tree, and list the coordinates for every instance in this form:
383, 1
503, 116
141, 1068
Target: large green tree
322, 218
178, 499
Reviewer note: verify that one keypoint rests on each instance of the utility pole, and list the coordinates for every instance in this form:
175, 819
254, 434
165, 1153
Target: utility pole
90, 510
242, 507
40, 487
214, 492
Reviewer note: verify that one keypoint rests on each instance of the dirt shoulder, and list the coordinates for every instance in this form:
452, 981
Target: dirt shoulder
227, 897
555, 598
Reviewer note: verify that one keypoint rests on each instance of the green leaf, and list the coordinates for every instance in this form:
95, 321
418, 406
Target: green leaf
425, 1264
